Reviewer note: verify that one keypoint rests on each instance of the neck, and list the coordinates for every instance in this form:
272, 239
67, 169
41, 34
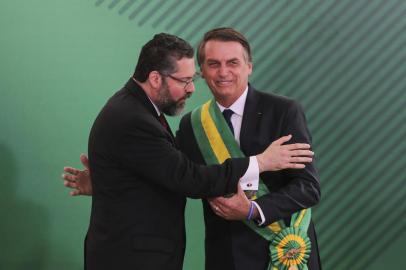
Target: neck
147, 89
227, 101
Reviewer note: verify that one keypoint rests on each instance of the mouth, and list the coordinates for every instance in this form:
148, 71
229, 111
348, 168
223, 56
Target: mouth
183, 99
224, 82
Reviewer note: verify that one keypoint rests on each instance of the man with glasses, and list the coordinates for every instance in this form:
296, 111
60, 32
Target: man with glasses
140, 179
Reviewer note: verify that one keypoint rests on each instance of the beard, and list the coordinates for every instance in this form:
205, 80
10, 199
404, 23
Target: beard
167, 104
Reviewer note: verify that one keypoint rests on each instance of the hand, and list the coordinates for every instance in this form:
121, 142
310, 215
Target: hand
233, 208
289, 156
78, 180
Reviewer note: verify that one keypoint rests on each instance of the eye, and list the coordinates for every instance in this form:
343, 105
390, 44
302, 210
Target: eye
213, 64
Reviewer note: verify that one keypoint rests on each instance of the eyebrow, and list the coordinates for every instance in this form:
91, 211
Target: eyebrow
193, 76
228, 60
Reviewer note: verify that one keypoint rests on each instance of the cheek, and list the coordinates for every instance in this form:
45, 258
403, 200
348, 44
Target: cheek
209, 82
208, 75
180, 93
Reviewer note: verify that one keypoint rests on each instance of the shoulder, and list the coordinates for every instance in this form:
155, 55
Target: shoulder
185, 125
123, 109
272, 101
186, 118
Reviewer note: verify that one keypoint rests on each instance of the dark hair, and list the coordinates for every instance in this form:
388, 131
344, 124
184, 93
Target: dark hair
160, 54
223, 34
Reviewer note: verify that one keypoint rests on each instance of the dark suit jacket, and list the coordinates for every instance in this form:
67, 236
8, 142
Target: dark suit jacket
140, 181
267, 117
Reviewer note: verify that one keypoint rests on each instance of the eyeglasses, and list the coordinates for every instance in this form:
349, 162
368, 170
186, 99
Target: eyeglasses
185, 82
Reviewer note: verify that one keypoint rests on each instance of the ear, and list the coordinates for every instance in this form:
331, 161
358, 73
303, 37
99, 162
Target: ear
201, 72
250, 67
155, 79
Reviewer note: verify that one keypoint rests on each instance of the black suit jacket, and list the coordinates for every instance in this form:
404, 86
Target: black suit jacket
140, 181
231, 245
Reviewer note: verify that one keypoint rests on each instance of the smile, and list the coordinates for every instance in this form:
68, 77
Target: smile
223, 82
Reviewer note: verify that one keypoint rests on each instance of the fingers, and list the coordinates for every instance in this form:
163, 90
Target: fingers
71, 170
213, 205
218, 200
296, 163
216, 205
75, 192
300, 160
216, 208
85, 161
295, 166
72, 176
282, 140
70, 184
297, 146
69, 177
301, 153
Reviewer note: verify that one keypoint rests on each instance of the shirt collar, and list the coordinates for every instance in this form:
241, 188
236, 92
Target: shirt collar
238, 106
155, 107
158, 111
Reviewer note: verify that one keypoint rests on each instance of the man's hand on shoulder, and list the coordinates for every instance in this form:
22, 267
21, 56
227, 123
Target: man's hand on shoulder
279, 156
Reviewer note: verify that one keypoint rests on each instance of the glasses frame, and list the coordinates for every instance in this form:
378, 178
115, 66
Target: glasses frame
186, 82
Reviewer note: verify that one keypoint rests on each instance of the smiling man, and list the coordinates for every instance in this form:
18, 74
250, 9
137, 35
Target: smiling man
246, 121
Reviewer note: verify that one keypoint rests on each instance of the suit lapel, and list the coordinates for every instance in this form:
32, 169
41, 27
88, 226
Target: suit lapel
251, 120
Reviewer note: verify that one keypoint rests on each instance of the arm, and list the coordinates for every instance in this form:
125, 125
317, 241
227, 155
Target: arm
147, 151
300, 188
81, 182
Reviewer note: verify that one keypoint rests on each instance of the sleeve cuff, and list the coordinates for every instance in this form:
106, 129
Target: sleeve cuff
249, 181
260, 220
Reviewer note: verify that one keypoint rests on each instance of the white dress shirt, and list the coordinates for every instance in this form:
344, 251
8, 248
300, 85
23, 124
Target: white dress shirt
250, 179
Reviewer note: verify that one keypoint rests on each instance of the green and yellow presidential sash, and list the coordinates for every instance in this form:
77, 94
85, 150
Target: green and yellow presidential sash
289, 247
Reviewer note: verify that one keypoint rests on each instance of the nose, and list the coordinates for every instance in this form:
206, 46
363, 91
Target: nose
223, 71
190, 88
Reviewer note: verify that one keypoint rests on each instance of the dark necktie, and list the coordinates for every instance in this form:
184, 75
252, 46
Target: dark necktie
162, 119
227, 113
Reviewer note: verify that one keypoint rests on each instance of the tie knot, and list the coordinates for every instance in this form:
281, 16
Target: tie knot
227, 113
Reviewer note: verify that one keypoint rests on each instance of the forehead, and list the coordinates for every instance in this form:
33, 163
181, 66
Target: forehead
185, 67
223, 50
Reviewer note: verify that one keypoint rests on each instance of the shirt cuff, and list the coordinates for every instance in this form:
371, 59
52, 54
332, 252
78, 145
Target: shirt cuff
261, 214
249, 181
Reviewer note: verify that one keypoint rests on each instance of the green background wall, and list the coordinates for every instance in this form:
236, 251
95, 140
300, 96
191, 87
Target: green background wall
343, 60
